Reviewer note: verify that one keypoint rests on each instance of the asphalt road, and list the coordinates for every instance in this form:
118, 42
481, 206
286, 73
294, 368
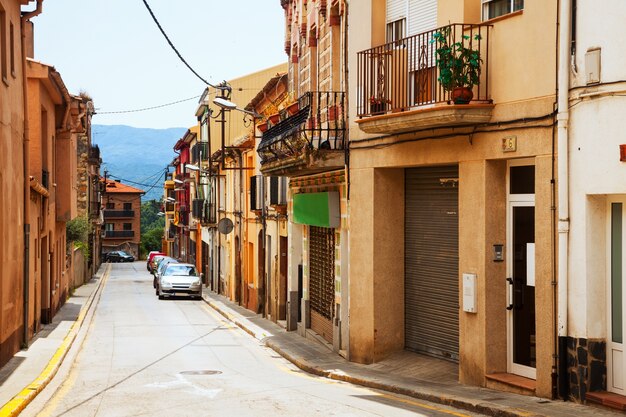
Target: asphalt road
140, 356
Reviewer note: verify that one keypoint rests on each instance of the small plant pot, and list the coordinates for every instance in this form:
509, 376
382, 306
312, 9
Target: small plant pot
462, 95
293, 108
262, 126
333, 113
377, 108
274, 118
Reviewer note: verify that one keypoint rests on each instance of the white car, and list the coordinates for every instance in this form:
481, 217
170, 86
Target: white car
179, 279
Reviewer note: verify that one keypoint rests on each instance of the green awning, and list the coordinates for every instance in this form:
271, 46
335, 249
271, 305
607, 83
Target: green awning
317, 209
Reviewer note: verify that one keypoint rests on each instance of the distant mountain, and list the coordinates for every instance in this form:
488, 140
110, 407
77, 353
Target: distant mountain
137, 156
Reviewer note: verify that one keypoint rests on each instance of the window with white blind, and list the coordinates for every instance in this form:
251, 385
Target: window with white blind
396, 30
496, 8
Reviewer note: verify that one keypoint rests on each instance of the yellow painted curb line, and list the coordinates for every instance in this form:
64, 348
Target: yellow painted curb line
17, 404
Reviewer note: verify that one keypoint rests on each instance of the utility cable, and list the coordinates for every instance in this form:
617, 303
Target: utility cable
148, 108
173, 47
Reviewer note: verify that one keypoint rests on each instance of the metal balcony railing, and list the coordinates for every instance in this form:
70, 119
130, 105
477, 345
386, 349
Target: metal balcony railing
200, 152
403, 75
119, 233
118, 214
318, 123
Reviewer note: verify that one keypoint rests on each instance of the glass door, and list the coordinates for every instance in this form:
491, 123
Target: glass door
616, 363
521, 323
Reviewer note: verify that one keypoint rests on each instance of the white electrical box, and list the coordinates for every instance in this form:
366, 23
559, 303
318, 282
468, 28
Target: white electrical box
592, 66
469, 293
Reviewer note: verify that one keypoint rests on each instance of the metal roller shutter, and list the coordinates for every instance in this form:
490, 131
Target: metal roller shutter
396, 9
422, 16
431, 261
322, 280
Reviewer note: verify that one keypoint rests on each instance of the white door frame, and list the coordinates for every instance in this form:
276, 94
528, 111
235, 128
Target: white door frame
515, 200
615, 352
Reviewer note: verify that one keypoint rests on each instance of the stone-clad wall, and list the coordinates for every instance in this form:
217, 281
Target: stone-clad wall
586, 363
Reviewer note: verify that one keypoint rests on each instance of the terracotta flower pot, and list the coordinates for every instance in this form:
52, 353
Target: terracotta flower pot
333, 113
293, 108
274, 118
462, 95
262, 126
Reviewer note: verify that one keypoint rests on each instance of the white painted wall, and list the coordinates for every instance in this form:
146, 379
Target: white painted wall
596, 130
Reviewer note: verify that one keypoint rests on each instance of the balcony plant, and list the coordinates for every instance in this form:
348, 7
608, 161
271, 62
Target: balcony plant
378, 105
458, 63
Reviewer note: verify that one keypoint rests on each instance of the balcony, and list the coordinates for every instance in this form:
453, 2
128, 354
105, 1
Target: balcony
169, 184
203, 211
119, 214
310, 140
116, 234
399, 86
170, 207
200, 152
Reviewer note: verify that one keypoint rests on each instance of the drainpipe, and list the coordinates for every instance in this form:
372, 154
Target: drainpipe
26, 163
563, 187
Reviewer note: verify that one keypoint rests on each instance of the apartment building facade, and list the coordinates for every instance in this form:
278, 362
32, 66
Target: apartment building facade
121, 208
451, 213
307, 143
13, 160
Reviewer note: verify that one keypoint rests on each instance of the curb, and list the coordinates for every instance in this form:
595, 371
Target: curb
17, 404
463, 403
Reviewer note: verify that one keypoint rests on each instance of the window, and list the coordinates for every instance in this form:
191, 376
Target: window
110, 206
128, 226
3, 44
495, 8
396, 30
12, 48
128, 206
108, 227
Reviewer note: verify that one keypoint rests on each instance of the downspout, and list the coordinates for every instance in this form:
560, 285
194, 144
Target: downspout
26, 163
563, 187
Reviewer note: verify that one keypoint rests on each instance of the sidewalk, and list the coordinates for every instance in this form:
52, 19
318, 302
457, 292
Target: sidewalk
29, 371
406, 373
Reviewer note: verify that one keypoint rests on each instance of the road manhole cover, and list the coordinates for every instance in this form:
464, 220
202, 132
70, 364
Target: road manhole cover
203, 372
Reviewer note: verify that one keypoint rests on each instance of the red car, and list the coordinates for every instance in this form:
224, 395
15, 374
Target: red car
151, 255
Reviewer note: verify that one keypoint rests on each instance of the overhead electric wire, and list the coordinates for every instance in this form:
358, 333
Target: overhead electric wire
137, 183
173, 47
148, 108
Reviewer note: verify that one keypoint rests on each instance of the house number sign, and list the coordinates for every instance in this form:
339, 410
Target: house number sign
509, 144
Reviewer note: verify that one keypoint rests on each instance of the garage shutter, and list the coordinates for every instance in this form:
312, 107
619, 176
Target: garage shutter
322, 280
432, 261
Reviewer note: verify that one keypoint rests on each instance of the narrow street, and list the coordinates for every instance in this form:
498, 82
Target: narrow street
145, 357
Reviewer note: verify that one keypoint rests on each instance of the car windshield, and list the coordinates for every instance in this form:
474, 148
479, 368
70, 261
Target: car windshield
180, 270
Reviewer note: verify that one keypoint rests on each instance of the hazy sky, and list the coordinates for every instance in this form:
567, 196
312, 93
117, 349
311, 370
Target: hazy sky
113, 50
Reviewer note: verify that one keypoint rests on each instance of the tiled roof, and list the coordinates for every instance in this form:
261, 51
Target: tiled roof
118, 187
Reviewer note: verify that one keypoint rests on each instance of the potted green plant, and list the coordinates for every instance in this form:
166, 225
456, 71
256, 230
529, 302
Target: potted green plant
458, 63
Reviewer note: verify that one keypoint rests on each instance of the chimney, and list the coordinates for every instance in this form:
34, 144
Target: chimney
29, 43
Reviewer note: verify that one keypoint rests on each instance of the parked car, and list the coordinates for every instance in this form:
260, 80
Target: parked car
179, 279
118, 256
160, 266
154, 263
151, 255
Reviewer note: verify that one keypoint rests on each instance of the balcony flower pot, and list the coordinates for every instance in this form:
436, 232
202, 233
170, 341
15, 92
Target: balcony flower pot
333, 113
310, 123
461, 95
377, 108
262, 126
458, 63
274, 118
293, 108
